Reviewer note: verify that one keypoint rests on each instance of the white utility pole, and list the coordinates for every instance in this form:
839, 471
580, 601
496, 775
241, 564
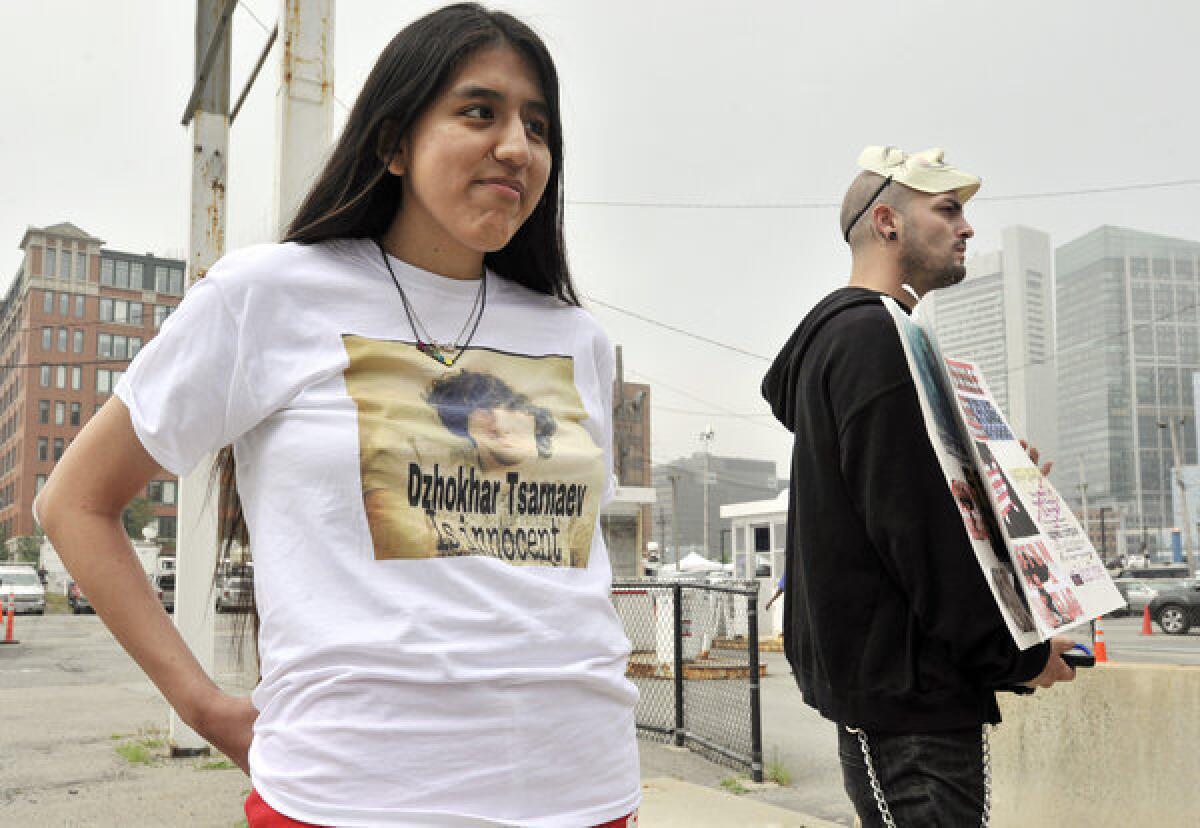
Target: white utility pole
303, 103
706, 437
196, 542
1188, 549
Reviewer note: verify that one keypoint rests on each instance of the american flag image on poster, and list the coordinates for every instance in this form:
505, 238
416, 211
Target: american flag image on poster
1009, 509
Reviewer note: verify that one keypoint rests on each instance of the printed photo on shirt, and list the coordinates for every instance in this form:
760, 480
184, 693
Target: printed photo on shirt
488, 457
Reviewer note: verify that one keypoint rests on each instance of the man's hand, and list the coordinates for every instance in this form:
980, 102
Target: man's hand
227, 723
1034, 456
1056, 669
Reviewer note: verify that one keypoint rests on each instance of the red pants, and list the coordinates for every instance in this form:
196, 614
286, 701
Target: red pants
261, 815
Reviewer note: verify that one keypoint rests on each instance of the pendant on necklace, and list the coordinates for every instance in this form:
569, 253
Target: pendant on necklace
434, 351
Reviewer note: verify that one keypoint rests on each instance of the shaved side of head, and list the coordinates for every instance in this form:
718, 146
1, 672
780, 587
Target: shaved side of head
864, 186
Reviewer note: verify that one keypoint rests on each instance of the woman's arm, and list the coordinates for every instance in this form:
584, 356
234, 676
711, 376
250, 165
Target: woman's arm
80, 510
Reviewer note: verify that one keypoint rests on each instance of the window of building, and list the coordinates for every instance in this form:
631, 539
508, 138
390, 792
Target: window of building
135, 345
62, 340
48, 270
120, 311
64, 265
43, 411
60, 376
64, 303
106, 310
166, 527
135, 313
59, 448
45, 376
47, 338
75, 412
104, 345
161, 312
47, 301
107, 380
76, 378
80, 267
176, 283
106, 271
79, 300
121, 274
136, 280
154, 491
77, 341
60, 413
43, 448
160, 278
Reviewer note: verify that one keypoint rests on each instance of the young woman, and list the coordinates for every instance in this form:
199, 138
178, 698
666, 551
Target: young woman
472, 669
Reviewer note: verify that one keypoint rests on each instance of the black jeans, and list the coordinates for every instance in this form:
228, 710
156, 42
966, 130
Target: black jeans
929, 780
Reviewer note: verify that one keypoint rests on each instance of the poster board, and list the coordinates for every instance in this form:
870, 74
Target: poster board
1040, 565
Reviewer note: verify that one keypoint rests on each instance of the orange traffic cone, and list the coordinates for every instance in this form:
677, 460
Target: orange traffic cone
8, 627
1101, 649
1146, 628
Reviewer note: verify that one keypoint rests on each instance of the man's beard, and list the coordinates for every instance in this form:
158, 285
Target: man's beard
925, 272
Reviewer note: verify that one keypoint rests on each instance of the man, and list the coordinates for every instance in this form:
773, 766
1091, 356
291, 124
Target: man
889, 623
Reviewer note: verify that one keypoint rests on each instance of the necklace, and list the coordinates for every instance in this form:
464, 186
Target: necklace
440, 352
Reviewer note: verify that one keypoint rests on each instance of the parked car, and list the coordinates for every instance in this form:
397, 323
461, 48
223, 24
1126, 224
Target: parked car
23, 584
1147, 573
1177, 610
78, 601
235, 594
164, 587
1137, 594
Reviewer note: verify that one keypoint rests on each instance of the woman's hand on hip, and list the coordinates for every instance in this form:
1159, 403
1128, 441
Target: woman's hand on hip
227, 723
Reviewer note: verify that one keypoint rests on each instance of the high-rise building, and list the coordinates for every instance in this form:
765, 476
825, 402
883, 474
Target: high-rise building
1128, 343
75, 315
1001, 316
679, 508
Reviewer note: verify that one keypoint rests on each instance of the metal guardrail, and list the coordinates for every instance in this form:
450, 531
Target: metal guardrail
696, 665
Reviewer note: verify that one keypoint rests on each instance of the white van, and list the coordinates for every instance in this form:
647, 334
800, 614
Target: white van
23, 584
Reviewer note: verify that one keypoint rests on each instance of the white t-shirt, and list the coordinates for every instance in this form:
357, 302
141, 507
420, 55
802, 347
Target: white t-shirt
438, 643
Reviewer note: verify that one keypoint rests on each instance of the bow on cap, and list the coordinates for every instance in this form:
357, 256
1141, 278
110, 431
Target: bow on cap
924, 171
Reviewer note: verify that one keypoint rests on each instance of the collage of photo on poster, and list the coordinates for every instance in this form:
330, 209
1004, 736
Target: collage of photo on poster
1044, 573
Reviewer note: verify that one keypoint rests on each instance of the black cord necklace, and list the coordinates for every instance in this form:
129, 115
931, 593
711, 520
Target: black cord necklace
432, 349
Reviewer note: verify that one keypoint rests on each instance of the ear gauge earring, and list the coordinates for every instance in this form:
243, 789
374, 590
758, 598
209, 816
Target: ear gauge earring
892, 236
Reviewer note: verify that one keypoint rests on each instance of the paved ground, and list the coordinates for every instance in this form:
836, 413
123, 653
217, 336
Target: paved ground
83, 741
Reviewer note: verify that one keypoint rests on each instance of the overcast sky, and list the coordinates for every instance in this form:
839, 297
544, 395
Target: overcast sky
719, 103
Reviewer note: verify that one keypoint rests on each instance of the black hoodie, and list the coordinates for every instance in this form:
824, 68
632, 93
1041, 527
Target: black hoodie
888, 621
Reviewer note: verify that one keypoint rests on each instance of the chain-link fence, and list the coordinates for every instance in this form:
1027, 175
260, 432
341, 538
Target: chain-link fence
696, 665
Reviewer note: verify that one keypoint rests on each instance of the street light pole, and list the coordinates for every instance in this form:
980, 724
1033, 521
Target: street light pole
706, 437
1188, 551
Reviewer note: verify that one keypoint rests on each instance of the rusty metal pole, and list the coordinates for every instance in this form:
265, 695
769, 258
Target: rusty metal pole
196, 542
303, 103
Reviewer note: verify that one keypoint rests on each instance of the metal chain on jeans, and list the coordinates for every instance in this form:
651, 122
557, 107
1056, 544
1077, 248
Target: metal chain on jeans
885, 813
987, 778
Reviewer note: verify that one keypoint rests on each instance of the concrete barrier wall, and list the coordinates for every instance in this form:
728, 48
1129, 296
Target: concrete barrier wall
1119, 746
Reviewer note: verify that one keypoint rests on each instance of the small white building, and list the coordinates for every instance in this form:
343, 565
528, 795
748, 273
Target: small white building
759, 537
624, 534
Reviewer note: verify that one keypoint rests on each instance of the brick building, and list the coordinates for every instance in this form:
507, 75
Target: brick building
74, 316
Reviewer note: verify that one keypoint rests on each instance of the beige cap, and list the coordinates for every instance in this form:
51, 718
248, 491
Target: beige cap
923, 171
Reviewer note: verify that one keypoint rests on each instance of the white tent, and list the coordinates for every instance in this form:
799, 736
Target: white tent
698, 563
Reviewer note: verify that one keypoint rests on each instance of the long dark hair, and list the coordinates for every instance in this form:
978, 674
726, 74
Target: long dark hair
356, 197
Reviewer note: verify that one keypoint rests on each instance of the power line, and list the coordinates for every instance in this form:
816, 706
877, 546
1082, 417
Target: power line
267, 29
674, 329
686, 393
830, 205
246, 8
